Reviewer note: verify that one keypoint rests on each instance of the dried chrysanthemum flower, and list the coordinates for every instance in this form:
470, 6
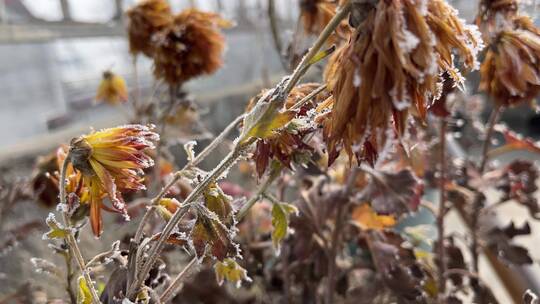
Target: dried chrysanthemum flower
316, 14
288, 144
510, 72
145, 19
492, 14
192, 45
112, 89
111, 162
391, 66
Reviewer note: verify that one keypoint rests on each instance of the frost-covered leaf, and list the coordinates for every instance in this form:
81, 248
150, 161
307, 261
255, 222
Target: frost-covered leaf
280, 222
514, 141
365, 218
189, 147
230, 270
393, 193
218, 202
57, 230
210, 233
264, 120
167, 207
84, 295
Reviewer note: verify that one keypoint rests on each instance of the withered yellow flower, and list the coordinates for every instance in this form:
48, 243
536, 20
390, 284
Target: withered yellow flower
145, 19
391, 66
510, 72
192, 45
111, 162
112, 89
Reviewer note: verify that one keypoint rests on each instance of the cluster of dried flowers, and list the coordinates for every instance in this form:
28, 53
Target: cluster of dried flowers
183, 46
391, 67
510, 71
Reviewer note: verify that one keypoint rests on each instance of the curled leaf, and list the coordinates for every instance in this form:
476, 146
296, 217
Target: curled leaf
230, 270
84, 296
280, 222
57, 230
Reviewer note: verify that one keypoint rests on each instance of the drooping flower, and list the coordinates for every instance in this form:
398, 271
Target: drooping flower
111, 162
145, 19
391, 66
192, 45
287, 145
112, 89
492, 14
510, 72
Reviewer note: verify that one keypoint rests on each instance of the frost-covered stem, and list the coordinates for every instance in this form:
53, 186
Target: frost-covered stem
441, 254
177, 175
494, 117
72, 242
338, 225
477, 203
223, 166
69, 278
306, 99
321, 40
170, 292
257, 196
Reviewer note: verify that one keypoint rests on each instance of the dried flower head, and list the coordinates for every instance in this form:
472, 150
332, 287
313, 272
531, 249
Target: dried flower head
192, 45
510, 73
112, 89
492, 14
390, 66
287, 144
111, 162
316, 14
145, 19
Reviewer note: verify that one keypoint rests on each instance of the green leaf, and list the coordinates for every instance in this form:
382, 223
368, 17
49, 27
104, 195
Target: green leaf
264, 120
230, 270
322, 54
210, 233
84, 296
280, 222
57, 230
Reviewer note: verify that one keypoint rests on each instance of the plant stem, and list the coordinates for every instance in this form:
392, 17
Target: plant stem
338, 225
169, 293
441, 214
69, 278
494, 117
271, 10
226, 163
72, 242
477, 203
308, 97
223, 166
241, 215
177, 175
321, 40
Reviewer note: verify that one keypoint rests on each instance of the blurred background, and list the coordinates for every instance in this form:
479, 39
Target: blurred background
53, 54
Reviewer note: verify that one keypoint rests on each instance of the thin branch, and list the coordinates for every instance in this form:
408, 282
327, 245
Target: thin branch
257, 196
72, 242
441, 254
170, 292
271, 10
477, 203
338, 225
306, 99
